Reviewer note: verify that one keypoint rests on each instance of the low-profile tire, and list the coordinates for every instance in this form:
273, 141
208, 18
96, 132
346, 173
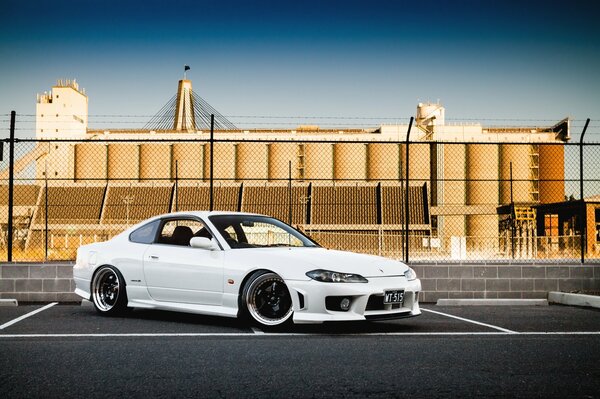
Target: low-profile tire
109, 294
266, 300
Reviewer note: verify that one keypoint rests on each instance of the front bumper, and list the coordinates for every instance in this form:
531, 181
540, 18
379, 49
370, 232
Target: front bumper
309, 300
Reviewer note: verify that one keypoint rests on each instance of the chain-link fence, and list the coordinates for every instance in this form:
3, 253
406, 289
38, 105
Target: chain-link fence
432, 200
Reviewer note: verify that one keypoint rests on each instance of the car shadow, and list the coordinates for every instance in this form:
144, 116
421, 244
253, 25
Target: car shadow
185, 318
219, 324
327, 328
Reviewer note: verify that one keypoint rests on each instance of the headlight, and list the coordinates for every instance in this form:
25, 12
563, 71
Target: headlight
327, 276
410, 274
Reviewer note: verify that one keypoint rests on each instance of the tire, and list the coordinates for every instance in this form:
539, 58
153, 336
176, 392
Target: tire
109, 294
266, 300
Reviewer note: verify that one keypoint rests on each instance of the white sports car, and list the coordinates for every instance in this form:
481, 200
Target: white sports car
238, 264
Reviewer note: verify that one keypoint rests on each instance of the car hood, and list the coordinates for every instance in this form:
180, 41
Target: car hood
293, 263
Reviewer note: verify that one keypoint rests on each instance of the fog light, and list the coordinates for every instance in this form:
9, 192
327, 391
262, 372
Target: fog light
345, 304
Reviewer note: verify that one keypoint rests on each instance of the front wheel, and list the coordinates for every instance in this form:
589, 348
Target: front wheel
108, 291
267, 300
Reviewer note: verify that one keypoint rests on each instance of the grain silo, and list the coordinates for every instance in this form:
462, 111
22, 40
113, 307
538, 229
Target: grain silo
384, 161
552, 173
90, 161
520, 158
419, 165
350, 161
155, 162
224, 161
451, 195
482, 190
280, 156
123, 161
482, 174
252, 161
318, 161
189, 160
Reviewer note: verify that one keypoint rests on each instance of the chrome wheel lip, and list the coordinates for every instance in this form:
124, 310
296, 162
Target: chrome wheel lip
252, 296
106, 289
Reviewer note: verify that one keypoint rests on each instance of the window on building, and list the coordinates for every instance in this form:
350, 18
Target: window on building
551, 225
597, 225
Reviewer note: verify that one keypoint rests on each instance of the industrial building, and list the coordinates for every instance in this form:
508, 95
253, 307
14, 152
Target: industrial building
347, 184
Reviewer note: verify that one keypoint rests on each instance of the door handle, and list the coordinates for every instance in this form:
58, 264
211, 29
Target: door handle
153, 257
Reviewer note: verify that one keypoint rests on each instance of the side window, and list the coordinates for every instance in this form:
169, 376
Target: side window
181, 231
145, 234
232, 234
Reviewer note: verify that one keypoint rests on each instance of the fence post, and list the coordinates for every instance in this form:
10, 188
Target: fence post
46, 210
212, 141
11, 188
176, 185
290, 191
582, 214
406, 205
513, 222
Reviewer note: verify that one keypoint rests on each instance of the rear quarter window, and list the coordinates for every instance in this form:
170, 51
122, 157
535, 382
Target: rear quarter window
145, 234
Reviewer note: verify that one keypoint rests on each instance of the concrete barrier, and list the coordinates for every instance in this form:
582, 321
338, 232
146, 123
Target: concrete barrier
565, 298
492, 302
9, 302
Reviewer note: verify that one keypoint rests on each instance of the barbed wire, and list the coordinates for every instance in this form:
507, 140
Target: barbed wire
342, 123
329, 117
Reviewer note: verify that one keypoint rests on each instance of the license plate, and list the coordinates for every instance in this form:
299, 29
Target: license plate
391, 297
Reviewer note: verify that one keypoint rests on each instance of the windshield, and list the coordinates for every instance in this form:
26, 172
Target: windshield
250, 231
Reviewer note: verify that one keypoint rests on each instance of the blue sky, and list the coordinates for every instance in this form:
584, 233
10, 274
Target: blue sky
370, 59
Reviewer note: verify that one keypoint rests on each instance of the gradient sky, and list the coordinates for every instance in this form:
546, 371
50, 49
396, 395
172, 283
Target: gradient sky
483, 60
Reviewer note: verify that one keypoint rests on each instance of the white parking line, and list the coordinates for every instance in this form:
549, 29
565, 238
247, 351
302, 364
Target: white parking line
329, 335
471, 321
18, 319
257, 331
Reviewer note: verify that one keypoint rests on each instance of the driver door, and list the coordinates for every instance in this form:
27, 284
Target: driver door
176, 272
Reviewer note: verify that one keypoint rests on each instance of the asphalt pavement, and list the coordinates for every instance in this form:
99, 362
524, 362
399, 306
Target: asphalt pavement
70, 351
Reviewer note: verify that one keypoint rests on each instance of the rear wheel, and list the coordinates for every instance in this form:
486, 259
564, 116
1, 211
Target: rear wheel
108, 291
267, 300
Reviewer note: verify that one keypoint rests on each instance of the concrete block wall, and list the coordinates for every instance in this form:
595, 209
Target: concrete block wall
504, 281
38, 282
54, 281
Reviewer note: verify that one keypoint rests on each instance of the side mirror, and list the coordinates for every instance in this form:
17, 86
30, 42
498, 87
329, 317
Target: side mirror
203, 243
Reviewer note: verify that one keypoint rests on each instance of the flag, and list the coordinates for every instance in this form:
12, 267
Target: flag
186, 68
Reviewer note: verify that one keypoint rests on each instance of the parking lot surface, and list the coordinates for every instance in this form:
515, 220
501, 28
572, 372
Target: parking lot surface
71, 351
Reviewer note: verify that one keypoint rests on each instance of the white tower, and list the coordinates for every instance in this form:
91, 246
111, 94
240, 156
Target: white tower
185, 119
60, 114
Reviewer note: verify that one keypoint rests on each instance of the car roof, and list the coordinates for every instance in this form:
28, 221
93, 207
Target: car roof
204, 214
